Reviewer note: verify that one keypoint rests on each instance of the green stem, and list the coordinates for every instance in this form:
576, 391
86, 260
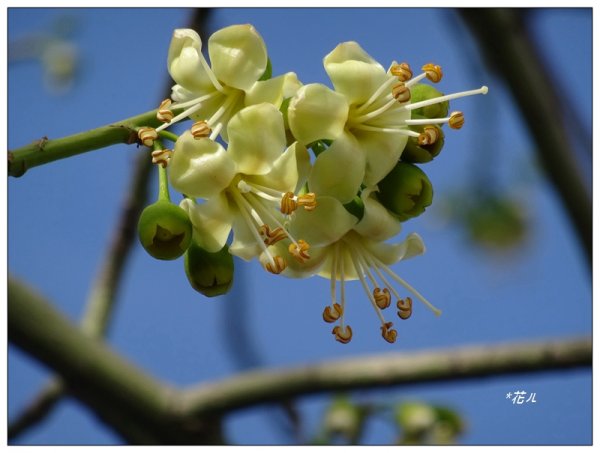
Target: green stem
47, 150
163, 181
168, 135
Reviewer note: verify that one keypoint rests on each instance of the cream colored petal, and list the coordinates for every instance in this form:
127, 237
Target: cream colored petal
200, 168
274, 90
339, 171
382, 151
353, 72
392, 253
212, 221
327, 223
184, 61
316, 112
238, 55
256, 138
377, 223
244, 244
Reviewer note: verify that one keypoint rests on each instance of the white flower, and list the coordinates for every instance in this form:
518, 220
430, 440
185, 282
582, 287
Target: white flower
243, 185
214, 93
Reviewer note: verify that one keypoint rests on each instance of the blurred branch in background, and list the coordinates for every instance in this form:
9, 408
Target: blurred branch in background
506, 43
144, 410
102, 297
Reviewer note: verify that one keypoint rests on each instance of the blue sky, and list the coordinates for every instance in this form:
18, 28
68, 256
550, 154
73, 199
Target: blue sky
60, 218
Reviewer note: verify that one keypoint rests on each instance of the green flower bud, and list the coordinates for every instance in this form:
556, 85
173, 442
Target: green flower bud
209, 273
418, 151
165, 230
422, 92
344, 418
406, 191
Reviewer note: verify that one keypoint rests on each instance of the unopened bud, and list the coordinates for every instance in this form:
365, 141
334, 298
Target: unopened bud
418, 152
406, 191
422, 92
164, 230
211, 274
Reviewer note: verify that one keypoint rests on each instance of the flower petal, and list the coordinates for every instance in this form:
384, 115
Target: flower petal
212, 221
256, 138
184, 61
377, 223
200, 168
274, 90
382, 151
327, 223
238, 55
353, 72
338, 171
316, 112
391, 253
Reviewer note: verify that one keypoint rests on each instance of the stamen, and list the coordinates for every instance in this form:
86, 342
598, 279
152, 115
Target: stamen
376, 95
388, 333
457, 120
288, 203
164, 114
161, 157
391, 130
277, 266
404, 308
308, 201
200, 129
147, 135
299, 250
429, 136
332, 314
272, 237
342, 334
402, 71
448, 97
383, 299
401, 93
433, 72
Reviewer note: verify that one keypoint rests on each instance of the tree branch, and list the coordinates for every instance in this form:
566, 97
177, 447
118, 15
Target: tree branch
144, 410
505, 43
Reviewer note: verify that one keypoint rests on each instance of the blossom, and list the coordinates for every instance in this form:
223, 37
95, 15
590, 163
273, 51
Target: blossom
214, 93
344, 248
243, 185
369, 109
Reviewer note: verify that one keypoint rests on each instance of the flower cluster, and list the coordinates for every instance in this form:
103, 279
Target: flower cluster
308, 179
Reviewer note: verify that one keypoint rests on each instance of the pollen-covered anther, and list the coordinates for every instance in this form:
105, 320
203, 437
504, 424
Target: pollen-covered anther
332, 314
383, 299
164, 114
429, 136
404, 308
299, 250
271, 237
308, 201
402, 71
400, 92
457, 120
288, 203
161, 157
147, 135
277, 266
433, 72
388, 333
200, 129
342, 334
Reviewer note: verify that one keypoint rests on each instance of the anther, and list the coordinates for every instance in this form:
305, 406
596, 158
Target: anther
271, 237
429, 136
161, 157
400, 92
388, 333
200, 129
164, 114
343, 335
299, 250
457, 119
402, 71
277, 266
404, 308
383, 298
288, 203
308, 201
433, 72
332, 314
147, 135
